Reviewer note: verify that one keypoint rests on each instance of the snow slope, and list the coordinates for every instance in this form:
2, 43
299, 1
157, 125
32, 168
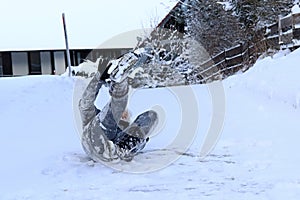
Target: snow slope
256, 157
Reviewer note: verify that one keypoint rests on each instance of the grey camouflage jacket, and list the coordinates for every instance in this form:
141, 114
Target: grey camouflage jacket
101, 127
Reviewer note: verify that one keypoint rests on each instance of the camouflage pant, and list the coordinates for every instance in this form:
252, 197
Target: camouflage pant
102, 128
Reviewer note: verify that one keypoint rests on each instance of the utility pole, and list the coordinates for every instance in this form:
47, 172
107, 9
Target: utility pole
67, 45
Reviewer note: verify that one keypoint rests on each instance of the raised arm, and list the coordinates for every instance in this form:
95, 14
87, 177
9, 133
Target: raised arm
86, 104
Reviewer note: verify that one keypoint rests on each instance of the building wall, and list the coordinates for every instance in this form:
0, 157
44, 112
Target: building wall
19, 63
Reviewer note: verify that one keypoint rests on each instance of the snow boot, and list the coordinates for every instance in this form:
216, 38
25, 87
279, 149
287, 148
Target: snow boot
129, 144
134, 138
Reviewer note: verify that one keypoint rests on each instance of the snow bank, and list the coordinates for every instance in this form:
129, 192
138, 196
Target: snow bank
36, 124
275, 78
85, 69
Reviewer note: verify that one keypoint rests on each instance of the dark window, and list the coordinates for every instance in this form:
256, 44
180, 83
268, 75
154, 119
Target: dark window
72, 55
1, 67
84, 54
35, 63
6, 63
78, 57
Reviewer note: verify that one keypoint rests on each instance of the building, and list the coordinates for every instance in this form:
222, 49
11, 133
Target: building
37, 62
54, 61
175, 19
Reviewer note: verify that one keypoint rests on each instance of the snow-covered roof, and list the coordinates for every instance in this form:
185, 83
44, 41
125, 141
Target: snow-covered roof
34, 24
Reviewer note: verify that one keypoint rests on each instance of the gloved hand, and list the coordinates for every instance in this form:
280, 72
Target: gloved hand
119, 69
123, 67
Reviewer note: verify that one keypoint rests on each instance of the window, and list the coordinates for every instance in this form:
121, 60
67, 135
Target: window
78, 58
6, 64
60, 62
46, 63
1, 66
35, 63
19, 63
83, 55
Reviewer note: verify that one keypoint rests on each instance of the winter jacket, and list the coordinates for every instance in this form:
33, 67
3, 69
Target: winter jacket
101, 127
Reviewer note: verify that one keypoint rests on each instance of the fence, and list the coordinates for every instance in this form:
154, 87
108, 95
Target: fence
227, 63
283, 34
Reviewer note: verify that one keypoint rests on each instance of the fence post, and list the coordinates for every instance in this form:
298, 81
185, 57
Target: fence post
293, 27
279, 32
224, 71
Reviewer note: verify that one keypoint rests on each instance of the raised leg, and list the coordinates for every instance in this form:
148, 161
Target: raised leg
146, 121
134, 138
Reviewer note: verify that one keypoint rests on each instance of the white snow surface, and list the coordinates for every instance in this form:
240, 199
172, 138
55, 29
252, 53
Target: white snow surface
296, 9
257, 156
226, 5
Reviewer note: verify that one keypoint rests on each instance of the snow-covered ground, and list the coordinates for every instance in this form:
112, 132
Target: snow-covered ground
256, 156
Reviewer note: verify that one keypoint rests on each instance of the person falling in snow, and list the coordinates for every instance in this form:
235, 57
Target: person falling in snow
106, 134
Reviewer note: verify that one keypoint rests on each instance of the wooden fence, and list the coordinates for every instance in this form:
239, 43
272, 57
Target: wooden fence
283, 34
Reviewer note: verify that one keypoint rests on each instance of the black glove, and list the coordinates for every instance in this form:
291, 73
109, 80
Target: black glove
105, 76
